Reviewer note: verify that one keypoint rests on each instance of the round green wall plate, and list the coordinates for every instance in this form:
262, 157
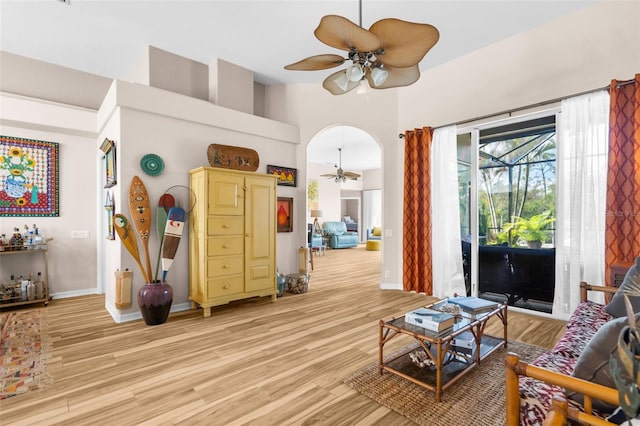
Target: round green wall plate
152, 164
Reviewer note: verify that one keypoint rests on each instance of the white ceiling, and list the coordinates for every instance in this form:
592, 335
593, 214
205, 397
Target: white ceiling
108, 38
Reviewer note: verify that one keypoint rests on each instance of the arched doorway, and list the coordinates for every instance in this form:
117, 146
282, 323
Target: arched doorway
344, 178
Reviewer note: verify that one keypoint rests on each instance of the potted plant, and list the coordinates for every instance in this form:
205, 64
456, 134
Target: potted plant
533, 229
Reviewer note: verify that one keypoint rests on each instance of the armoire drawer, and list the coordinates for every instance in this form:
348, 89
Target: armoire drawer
225, 285
221, 266
225, 225
225, 246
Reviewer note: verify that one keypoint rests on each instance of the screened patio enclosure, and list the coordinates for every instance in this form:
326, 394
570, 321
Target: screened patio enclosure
516, 197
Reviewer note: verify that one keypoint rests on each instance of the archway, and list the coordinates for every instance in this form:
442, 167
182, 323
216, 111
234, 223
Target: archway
356, 152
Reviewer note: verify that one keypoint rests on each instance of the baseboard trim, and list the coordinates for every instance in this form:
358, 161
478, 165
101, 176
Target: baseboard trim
391, 286
75, 293
133, 316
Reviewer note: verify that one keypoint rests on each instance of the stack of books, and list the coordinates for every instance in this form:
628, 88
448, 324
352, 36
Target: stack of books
474, 305
464, 343
430, 319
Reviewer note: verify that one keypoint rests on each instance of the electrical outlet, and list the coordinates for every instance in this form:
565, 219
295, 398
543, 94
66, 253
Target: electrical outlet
79, 234
386, 274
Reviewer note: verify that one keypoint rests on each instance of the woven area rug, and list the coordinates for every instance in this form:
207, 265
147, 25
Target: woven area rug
476, 399
24, 351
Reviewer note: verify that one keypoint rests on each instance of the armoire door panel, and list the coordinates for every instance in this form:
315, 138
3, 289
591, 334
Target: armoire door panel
226, 195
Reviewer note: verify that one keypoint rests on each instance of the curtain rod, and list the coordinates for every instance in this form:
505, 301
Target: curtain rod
538, 104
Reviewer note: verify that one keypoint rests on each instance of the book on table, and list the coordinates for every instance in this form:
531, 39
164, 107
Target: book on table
465, 343
474, 304
430, 319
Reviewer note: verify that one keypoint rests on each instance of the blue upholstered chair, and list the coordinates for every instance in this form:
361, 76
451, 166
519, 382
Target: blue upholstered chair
314, 240
338, 235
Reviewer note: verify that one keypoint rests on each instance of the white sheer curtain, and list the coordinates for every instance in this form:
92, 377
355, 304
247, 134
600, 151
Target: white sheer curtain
448, 277
582, 186
371, 208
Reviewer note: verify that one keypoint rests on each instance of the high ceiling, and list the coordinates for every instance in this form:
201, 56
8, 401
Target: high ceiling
108, 37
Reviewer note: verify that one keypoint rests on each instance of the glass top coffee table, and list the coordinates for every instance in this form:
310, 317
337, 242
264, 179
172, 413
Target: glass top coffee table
445, 356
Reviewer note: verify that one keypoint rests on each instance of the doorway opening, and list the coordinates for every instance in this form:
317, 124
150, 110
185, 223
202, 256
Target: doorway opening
344, 165
507, 185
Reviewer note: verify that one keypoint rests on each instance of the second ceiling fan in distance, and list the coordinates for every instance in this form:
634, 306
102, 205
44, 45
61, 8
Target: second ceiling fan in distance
386, 55
340, 176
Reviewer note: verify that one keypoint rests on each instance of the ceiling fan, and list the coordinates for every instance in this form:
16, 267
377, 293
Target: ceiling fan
386, 55
340, 176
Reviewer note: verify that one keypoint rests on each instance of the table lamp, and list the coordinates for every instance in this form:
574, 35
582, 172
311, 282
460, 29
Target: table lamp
316, 225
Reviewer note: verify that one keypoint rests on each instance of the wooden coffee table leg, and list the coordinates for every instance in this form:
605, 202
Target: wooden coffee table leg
380, 346
505, 324
439, 362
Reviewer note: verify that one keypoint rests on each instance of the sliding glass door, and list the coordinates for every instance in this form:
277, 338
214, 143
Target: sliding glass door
507, 185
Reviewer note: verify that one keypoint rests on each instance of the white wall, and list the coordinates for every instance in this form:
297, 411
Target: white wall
72, 262
328, 192
579, 52
313, 109
146, 120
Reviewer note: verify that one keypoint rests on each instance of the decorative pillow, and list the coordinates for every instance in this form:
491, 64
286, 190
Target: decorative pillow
347, 219
593, 364
377, 232
631, 281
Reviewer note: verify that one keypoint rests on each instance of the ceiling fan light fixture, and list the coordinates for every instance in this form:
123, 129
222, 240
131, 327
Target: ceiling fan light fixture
379, 75
392, 43
363, 88
355, 72
342, 81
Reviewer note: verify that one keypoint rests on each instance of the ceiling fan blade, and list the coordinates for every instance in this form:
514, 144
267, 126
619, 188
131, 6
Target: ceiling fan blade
404, 43
318, 62
338, 83
351, 175
343, 34
397, 77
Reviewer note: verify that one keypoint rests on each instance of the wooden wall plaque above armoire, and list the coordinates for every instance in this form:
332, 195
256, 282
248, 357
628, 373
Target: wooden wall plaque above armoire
232, 237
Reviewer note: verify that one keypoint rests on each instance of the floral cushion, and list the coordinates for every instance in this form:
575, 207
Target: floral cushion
589, 314
535, 395
573, 342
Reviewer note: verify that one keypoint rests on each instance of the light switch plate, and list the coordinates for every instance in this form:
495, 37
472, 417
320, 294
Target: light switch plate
79, 234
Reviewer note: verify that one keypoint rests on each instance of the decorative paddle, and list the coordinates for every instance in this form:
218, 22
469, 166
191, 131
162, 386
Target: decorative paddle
172, 235
165, 202
128, 238
140, 210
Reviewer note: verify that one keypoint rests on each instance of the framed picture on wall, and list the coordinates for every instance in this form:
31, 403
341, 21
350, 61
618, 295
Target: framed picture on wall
284, 214
29, 177
109, 149
285, 175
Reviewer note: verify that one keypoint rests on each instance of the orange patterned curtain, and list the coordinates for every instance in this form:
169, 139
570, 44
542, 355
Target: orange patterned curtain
622, 238
417, 212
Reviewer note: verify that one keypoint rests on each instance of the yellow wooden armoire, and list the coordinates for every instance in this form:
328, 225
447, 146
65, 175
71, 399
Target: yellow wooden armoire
232, 237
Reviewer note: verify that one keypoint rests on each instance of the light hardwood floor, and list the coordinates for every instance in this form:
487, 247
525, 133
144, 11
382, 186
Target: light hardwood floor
252, 362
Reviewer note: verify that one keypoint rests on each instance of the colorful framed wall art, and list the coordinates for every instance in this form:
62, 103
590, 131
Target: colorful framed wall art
285, 175
29, 177
284, 214
109, 148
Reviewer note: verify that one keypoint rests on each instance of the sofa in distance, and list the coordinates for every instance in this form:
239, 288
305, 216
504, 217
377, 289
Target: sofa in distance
338, 235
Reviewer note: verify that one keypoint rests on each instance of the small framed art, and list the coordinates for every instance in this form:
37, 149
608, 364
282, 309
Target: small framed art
284, 214
109, 149
285, 175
